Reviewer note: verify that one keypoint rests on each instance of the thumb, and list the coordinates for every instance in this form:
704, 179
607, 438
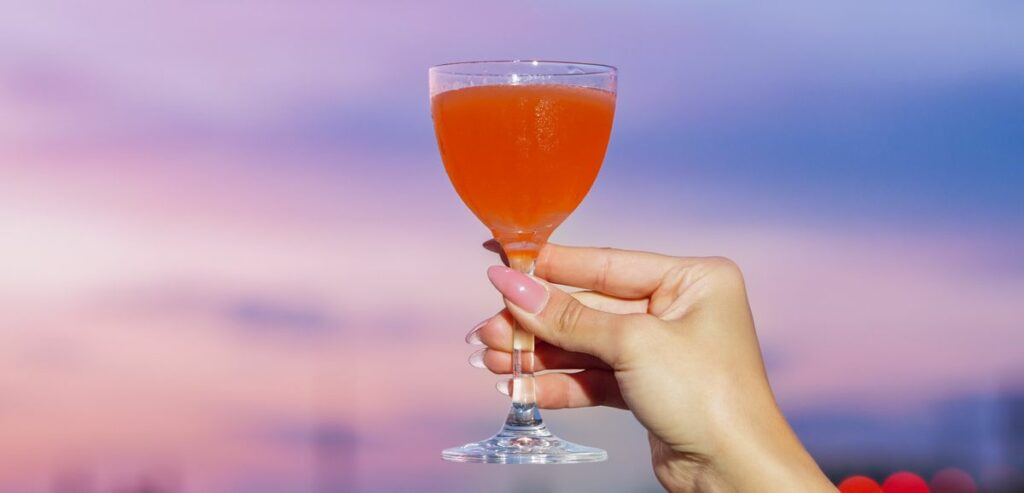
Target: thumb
556, 317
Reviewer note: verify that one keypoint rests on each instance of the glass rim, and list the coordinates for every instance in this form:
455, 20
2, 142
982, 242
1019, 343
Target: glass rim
591, 68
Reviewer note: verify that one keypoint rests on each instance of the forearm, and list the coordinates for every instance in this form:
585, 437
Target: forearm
768, 458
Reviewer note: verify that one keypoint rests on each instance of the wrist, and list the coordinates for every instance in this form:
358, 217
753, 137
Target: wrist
765, 455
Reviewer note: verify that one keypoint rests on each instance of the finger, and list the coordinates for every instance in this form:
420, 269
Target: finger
496, 332
561, 320
621, 273
492, 245
610, 304
545, 357
568, 390
496, 335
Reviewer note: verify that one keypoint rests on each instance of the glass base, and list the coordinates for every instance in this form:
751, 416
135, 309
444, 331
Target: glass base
524, 445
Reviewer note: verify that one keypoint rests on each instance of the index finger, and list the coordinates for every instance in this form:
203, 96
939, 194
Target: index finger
621, 273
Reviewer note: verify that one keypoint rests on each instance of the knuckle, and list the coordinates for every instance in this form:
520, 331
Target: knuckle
607, 267
724, 263
568, 318
725, 269
554, 397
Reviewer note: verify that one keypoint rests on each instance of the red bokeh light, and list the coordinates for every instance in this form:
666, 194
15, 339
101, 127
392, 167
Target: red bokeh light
953, 480
905, 482
859, 484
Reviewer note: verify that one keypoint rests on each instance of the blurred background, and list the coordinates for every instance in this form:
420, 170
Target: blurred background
231, 261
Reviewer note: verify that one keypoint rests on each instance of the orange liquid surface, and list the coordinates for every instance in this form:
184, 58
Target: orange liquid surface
522, 157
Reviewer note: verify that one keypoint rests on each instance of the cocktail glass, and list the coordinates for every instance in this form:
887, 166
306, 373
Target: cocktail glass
522, 142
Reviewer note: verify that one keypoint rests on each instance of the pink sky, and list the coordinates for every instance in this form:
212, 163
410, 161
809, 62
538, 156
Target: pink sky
118, 307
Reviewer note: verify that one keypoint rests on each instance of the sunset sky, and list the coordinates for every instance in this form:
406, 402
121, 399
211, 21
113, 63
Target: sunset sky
230, 259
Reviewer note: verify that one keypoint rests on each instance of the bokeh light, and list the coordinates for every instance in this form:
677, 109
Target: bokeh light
859, 484
953, 480
905, 482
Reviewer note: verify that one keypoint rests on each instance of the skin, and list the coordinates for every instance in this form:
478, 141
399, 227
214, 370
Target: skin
672, 340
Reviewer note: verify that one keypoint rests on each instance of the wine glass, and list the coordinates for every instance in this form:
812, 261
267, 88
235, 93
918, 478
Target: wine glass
522, 142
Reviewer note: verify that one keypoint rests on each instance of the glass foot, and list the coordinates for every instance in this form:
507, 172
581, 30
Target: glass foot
524, 445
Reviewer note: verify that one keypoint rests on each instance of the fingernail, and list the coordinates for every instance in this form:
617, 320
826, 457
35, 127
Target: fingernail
473, 337
476, 360
518, 288
503, 387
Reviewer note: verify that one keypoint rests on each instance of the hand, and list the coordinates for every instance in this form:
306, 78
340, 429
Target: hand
672, 340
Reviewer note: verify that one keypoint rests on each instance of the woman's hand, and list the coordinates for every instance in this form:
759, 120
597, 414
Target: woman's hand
672, 340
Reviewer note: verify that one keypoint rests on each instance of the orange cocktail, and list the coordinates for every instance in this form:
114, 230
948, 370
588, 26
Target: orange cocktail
522, 157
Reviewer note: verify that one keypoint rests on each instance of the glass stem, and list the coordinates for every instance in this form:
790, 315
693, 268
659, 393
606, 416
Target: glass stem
524, 411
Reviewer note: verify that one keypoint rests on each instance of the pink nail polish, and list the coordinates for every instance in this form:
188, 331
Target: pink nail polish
518, 288
476, 360
473, 337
